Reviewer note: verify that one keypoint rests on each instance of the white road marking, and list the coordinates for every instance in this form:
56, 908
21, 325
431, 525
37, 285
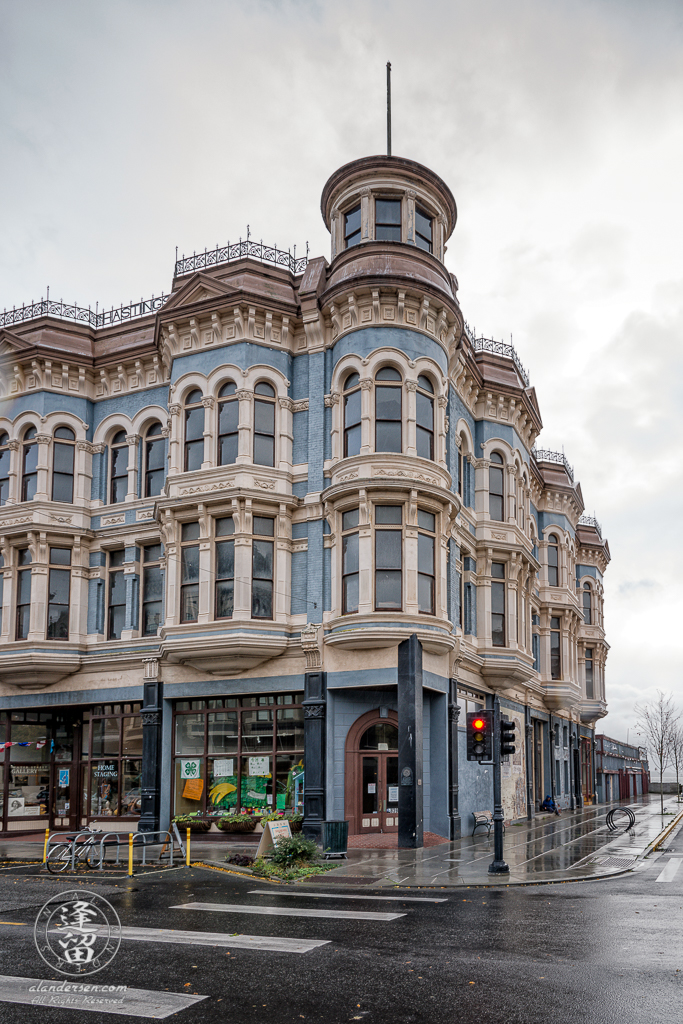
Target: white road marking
346, 896
133, 1002
273, 943
670, 870
240, 908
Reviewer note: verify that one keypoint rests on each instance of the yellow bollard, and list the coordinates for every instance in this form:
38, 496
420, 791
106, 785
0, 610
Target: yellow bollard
187, 849
130, 854
47, 836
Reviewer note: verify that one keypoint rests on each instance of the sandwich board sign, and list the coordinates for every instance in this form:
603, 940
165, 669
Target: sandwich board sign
273, 831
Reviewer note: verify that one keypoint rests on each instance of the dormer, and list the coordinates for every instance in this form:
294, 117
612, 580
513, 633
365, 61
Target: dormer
388, 199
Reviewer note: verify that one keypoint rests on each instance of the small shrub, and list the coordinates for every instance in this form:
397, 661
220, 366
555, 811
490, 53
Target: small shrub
241, 860
294, 851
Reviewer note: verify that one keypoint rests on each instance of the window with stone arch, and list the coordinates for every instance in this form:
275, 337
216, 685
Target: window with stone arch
63, 457
388, 410
424, 417
29, 464
553, 561
264, 424
118, 468
228, 424
194, 431
5, 456
587, 599
352, 415
155, 459
496, 488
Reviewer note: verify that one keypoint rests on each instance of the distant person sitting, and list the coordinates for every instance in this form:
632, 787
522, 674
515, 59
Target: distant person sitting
550, 805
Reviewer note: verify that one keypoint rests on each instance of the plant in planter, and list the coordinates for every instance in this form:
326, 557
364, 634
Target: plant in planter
194, 821
295, 821
237, 823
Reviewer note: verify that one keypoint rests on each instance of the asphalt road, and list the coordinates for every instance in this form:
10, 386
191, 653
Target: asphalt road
594, 952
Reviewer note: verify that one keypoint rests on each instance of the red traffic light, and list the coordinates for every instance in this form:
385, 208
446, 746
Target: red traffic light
478, 723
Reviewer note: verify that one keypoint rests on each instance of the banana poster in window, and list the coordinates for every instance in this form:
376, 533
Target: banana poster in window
223, 785
255, 784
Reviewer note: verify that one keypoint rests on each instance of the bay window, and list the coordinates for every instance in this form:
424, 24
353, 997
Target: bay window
228, 423
189, 573
225, 568
264, 424
352, 415
64, 450
498, 604
59, 586
118, 487
262, 559
350, 562
194, 431
388, 558
424, 416
388, 410
496, 488
426, 542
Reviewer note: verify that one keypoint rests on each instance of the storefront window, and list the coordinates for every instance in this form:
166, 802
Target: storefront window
112, 748
105, 736
228, 754
29, 788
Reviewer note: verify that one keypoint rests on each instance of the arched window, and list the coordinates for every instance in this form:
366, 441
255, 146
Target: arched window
587, 606
352, 406
194, 431
63, 465
118, 487
424, 416
155, 453
496, 491
264, 425
228, 422
553, 561
388, 410
380, 737
4, 466
29, 465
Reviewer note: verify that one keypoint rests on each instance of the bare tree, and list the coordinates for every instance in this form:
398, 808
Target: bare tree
658, 719
677, 755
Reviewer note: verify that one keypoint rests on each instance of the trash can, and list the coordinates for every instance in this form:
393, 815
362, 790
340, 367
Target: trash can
335, 838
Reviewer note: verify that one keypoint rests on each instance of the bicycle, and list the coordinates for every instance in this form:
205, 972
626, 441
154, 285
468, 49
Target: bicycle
87, 854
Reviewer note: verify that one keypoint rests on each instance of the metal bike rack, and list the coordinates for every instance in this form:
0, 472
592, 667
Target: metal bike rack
611, 815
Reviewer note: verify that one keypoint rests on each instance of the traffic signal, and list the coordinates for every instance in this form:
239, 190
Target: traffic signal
480, 736
507, 737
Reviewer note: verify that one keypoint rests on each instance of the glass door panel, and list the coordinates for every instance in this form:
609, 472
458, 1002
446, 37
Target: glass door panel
390, 791
370, 796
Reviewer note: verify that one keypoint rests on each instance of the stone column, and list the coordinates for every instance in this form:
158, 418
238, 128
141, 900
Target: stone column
367, 440
453, 785
245, 399
315, 702
410, 442
209, 433
133, 449
43, 475
151, 715
410, 752
367, 216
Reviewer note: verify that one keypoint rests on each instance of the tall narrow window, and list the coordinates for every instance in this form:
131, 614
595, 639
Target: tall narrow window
350, 563
426, 542
587, 606
388, 558
555, 649
155, 458
5, 455
118, 488
424, 415
496, 491
388, 220
225, 568
228, 423
194, 431
116, 612
189, 573
553, 561
589, 673
459, 473
63, 465
352, 408
264, 424
352, 227
23, 594
423, 229
388, 410
152, 590
498, 604
262, 568
29, 465
58, 595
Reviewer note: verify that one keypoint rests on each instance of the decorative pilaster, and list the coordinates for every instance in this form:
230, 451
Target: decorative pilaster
315, 707
151, 714
453, 784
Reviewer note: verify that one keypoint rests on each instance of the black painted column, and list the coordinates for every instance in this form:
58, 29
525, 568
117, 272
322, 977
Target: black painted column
551, 747
528, 754
315, 697
150, 785
453, 787
572, 781
410, 752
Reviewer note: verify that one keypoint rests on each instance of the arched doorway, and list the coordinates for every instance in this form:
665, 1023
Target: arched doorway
371, 790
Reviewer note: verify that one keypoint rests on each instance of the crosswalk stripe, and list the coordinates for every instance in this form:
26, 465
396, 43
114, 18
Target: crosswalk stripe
670, 870
346, 896
189, 938
240, 908
132, 1002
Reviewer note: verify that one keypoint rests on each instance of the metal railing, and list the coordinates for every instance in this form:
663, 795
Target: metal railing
559, 458
497, 348
102, 842
239, 251
591, 521
79, 314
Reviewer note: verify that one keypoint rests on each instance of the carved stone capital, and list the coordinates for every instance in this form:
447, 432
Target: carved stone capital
98, 449
84, 446
14, 446
150, 717
208, 403
314, 710
331, 399
366, 383
132, 438
174, 409
286, 403
443, 401
411, 385
42, 438
244, 395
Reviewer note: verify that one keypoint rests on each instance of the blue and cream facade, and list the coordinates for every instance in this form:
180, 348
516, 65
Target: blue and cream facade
220, 518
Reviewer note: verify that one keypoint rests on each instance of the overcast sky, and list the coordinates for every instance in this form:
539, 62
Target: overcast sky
127, 128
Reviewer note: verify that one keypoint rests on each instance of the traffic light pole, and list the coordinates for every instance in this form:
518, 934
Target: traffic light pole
498, 865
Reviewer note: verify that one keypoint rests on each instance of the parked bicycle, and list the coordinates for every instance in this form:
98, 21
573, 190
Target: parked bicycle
61, 855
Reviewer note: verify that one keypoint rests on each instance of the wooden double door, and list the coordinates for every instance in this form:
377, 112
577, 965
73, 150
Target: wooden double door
379, 792
371, 782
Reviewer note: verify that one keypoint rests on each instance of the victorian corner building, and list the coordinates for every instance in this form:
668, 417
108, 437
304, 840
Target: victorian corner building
224, 508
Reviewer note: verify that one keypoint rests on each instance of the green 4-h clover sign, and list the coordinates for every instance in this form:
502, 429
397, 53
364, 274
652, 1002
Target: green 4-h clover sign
189, 768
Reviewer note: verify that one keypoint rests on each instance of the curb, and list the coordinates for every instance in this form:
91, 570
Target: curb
657, 842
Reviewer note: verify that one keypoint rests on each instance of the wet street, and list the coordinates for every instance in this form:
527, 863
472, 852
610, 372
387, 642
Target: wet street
595, 951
